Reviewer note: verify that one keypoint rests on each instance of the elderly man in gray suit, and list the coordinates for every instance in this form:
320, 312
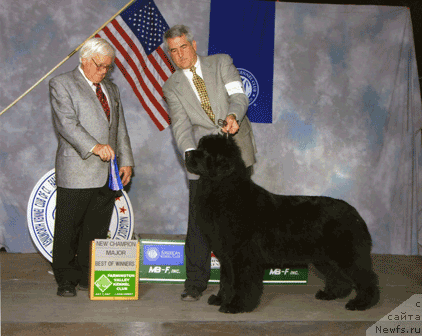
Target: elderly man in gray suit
91, 129
205, 96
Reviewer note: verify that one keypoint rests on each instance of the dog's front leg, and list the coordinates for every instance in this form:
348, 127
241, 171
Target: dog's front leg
244, 288
224, 293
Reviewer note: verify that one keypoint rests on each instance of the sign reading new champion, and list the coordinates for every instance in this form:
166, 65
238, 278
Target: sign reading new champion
115, 244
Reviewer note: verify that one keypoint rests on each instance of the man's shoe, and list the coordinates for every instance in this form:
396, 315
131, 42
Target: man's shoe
66, 289
191, 294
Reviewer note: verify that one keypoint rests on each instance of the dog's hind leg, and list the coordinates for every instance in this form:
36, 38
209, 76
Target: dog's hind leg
337, 284
366, 283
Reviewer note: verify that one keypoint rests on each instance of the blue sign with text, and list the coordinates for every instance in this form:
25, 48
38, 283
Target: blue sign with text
167, 255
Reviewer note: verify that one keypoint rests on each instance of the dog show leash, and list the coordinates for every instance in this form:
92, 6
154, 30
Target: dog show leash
223, 123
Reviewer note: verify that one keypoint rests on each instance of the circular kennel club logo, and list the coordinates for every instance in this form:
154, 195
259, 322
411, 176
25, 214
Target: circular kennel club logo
152, 253
41, 213
250, 84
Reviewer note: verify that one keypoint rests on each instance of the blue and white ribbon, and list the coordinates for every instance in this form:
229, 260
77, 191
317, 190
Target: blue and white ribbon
114, 182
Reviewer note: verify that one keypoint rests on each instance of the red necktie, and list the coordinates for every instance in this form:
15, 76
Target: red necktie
103, 100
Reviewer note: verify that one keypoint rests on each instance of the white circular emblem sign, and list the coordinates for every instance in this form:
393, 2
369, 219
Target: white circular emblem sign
250, 84
152, 253
41, 213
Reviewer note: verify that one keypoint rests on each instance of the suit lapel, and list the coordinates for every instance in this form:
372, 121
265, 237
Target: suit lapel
186, 91
89, 93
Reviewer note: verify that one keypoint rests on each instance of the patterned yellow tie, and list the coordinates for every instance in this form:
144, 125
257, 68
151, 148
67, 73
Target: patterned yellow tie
203, 95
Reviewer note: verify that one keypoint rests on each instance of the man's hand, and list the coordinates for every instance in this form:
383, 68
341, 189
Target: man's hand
232, 126
125, 174
105, 152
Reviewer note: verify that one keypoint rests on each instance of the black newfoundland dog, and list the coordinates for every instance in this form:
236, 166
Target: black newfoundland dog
250, 229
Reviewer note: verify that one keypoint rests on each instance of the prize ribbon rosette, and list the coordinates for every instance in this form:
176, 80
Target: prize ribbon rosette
114, 182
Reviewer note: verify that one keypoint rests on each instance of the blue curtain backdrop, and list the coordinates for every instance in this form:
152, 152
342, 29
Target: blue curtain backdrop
346, 113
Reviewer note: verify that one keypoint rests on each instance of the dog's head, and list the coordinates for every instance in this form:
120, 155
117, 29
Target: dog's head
216, 157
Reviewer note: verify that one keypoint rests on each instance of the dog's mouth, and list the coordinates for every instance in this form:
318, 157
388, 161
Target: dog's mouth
192, 158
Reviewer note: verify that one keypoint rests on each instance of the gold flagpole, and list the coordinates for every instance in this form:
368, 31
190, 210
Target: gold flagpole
67, 57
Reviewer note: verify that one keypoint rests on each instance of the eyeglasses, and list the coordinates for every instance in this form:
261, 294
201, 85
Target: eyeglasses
102, 67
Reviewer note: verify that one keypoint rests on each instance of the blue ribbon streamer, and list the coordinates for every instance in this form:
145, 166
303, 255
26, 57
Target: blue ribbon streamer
114, 182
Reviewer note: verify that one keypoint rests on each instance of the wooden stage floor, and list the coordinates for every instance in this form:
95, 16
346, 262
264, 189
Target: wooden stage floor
30, 306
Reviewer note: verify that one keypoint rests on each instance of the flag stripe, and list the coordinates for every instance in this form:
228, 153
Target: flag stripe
134, 87
138, 94
165, 59
139, 56
138, 46
160, 71
132, 37
141, 79
135, 81
137, 50
136, 34
161, 67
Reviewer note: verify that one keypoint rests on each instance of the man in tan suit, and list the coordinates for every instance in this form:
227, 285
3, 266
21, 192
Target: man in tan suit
194, 111
91, 129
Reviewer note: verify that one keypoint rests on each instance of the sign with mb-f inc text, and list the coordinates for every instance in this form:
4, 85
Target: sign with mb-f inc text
163, 261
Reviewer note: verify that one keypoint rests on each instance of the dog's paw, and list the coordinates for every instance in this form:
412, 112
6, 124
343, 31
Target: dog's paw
231, 309
356, 305
321, 295
214, 300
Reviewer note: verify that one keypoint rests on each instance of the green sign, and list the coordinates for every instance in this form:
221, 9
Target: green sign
115, 283
114, 269
163, 261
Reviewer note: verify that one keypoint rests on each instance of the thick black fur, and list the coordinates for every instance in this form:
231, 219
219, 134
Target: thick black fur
250, 229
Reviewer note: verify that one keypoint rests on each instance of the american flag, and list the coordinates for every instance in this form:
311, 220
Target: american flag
137, 35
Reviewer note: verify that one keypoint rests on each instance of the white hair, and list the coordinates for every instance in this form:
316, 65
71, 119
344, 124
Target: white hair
94, 46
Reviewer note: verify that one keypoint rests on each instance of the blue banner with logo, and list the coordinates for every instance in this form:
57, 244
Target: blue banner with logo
171, 255
244, 29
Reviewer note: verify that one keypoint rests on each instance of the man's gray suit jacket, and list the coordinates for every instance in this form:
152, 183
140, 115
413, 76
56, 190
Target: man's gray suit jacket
80, 123
189, 122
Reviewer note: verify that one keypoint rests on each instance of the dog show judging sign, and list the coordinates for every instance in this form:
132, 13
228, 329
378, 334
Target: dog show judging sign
114, 270
163, 261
